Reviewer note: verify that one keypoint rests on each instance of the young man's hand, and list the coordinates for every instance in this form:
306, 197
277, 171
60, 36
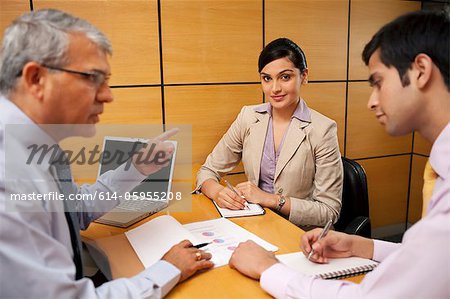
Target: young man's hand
251, 259
335, 245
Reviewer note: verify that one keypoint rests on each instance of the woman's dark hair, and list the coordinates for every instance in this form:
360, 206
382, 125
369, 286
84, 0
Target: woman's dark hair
280, 48
401, 40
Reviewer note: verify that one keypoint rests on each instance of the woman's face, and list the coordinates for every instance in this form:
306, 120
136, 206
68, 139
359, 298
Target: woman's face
281, 82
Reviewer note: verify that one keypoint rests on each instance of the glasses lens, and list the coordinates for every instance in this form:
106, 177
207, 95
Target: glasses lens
98, 79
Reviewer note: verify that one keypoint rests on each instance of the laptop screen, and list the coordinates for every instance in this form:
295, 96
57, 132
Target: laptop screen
118, 150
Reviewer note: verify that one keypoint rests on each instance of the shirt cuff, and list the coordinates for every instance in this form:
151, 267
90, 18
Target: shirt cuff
275, 281
382, 249
203, 175
159, 278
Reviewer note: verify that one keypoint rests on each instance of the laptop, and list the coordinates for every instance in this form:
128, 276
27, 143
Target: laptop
157, 185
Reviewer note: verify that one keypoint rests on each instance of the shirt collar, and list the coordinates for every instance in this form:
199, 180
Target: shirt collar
11, 114
26, 132
302, 112
440, 153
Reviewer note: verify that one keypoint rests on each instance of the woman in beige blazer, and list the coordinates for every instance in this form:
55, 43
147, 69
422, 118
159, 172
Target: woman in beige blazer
289, 151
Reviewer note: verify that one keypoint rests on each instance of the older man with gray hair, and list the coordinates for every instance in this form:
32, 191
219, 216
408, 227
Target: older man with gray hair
54, 70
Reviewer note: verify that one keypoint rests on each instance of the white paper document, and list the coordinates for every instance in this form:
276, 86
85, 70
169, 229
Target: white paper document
224, 236
153, 239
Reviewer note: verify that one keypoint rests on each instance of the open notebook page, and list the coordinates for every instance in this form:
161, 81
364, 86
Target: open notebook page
253, 209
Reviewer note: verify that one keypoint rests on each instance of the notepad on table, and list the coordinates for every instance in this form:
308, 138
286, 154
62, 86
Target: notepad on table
335, 268
254, 209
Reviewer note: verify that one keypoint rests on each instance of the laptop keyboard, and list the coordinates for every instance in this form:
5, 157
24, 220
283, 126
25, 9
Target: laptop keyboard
139, 205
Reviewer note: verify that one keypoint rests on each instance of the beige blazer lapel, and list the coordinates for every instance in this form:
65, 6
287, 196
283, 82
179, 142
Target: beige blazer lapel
294, 137
257, 137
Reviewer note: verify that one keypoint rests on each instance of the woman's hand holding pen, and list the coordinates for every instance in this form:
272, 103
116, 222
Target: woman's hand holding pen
229, 199
254, 194
222, 195
334, 245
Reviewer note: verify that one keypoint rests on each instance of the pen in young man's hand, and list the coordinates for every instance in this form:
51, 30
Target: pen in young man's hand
235, 192
322, 235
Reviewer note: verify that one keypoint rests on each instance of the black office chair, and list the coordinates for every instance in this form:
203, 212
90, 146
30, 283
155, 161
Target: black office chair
354, 218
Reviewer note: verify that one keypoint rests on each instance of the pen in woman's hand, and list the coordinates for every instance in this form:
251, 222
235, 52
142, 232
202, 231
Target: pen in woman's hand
235, 192
322, 235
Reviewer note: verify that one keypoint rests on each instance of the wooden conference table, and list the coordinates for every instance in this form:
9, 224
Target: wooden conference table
222, 282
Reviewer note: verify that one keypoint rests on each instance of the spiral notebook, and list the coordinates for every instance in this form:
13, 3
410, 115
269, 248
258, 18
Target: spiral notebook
336, 268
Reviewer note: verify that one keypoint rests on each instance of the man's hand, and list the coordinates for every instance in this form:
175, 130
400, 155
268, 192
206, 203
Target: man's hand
335, 245
251, 259
188, 259
156, 154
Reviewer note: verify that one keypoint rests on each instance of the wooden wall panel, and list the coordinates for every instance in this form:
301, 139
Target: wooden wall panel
415, 197
328, 99
9, 10
134, 106
387, 180
210, 110
132, 27
366, 18
421, 145
211, 41
365, 136
318, 27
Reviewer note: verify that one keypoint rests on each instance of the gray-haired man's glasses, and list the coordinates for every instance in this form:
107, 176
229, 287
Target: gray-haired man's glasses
97, 78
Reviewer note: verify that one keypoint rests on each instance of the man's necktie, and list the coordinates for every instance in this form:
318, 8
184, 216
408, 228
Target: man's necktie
429, 179
66, 186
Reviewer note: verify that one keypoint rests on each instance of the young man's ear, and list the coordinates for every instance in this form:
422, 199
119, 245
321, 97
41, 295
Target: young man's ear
424, 67
33, 76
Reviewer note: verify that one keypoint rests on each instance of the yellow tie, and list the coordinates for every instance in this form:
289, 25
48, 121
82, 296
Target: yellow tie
429, 179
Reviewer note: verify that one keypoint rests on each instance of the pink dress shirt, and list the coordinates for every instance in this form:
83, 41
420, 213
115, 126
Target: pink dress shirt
419, 267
